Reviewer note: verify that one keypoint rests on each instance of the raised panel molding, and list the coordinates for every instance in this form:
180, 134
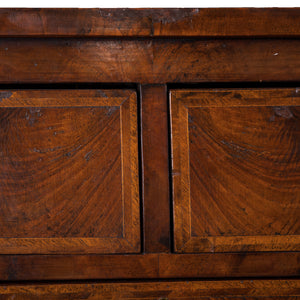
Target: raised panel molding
69, 172
236, 169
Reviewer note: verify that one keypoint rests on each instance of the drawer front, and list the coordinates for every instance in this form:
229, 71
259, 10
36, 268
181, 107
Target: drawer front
69, 172
236, 169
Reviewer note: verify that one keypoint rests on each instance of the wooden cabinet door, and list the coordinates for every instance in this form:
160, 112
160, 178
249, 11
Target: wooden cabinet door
236, 169
69, 172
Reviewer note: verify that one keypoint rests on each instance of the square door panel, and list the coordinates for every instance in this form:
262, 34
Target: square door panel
69, 172
236, 169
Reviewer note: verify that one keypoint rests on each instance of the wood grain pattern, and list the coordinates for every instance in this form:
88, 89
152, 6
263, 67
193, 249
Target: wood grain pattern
69, 186
74, 22
230, 60
236, 179
69, 267
155, 168
226, 22
216, 22
148, 61
225, 289
69, 172
149, 266
230, 265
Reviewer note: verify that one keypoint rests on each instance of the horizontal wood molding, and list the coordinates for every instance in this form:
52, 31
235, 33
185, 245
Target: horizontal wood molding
197, 22
63, 97
65, 132
188, 189
148, 61
214, 290
149, 266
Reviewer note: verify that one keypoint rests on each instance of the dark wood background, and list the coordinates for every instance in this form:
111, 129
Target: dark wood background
153, 52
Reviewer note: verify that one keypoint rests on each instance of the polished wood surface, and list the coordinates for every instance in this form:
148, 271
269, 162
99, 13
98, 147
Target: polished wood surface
69, 172
225, 265
148, 61
149, 266
155, 168
87, 190
236, 169
214, 290
197, 22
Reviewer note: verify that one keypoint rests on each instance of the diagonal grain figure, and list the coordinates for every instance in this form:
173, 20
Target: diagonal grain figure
236, 170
